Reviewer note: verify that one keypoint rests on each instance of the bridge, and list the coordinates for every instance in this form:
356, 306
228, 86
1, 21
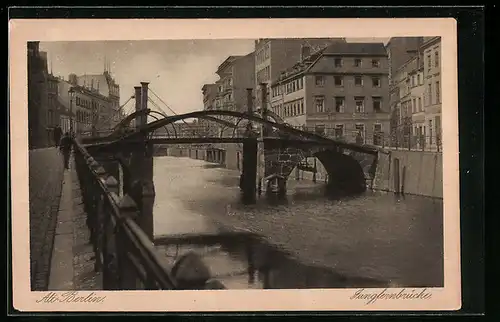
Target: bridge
115, 171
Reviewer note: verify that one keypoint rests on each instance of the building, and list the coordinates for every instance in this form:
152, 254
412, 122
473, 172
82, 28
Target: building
235, 77
339, 91
431, 51
272, 56
408, 115
400, 50
39, 134
209, 92
85, 106
105, 85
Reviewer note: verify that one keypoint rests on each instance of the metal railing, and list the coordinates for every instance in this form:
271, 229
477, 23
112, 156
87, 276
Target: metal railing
124, 253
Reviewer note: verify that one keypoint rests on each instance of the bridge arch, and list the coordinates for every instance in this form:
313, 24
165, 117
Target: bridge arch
346, 175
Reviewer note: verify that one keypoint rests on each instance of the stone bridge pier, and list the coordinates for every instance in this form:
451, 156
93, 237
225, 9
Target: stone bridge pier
348, 172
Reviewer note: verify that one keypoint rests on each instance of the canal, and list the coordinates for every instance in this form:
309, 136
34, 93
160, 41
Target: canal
306, 240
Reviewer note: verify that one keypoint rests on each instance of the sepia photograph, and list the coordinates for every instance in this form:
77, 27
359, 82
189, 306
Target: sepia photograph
238, 164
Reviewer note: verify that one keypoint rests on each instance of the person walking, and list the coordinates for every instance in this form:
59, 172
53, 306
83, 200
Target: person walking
65, 147
57, 135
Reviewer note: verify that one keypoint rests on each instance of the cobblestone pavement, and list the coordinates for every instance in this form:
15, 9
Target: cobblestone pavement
45, 180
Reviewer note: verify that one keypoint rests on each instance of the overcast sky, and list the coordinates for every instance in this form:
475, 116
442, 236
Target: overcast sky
176, 69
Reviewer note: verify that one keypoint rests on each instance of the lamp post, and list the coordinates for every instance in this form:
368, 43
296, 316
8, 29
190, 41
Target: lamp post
71, 93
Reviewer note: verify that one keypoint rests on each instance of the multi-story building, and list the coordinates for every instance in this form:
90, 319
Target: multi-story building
399, 51
272, 56
104, 85
431, 50
85, 106
340, 91
209, 92
38, 118
408, 118
235, 77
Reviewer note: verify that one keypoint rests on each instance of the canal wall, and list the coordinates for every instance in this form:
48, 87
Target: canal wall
399, 171
410, 172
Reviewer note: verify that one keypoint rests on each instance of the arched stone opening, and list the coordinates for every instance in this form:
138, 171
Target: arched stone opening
345, 174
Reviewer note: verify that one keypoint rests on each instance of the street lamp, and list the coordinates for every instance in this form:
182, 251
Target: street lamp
71, 93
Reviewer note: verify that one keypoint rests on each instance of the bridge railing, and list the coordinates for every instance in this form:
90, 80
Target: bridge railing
124, 254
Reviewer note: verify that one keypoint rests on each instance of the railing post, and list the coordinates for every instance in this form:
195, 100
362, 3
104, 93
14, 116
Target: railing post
108, 242
127, 276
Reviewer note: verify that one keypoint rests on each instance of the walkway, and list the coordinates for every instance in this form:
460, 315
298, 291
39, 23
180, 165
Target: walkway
45, 177
72, 266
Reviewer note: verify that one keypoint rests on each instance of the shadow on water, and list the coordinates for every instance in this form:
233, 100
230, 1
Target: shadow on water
270, 267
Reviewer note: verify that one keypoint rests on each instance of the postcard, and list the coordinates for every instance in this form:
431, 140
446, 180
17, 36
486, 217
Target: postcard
168, 165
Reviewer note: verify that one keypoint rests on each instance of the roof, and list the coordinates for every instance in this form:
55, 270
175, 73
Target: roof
227, 62
346, 48
339, 48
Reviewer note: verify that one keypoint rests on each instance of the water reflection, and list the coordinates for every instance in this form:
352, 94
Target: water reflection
303, 240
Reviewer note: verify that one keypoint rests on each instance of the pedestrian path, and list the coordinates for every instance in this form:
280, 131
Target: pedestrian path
72, 265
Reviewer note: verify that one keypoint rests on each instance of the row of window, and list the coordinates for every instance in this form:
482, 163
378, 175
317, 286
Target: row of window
262, 54
290, 109
83, 117
359, 131
429, 62
339, 80
436, 94
358, 62
320, 81
339, 106
264, 75
434, 130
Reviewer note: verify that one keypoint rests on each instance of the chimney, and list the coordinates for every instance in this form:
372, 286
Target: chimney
305, 51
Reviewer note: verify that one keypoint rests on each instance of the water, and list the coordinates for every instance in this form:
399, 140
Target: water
305, 241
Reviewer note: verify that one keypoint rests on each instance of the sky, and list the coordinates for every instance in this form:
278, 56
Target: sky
175, 69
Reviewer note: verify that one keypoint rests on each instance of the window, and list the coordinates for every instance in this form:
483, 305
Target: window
377, 134
319, 129
320, 104
360, 133
429, 62
419, 104
339, 104
418, 79
414, 106
320, 80
358, 80
338, 62
357, 62
438, 92
430, 131
376, 81
377, 104
360, 104
301, 84
430, 94
339, 81
339, 131
436, 59
375, 63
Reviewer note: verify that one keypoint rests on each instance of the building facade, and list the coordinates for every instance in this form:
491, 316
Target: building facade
407, 124
38, 115
340, 91
209, 92
400, 50
272, 56
431, 50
